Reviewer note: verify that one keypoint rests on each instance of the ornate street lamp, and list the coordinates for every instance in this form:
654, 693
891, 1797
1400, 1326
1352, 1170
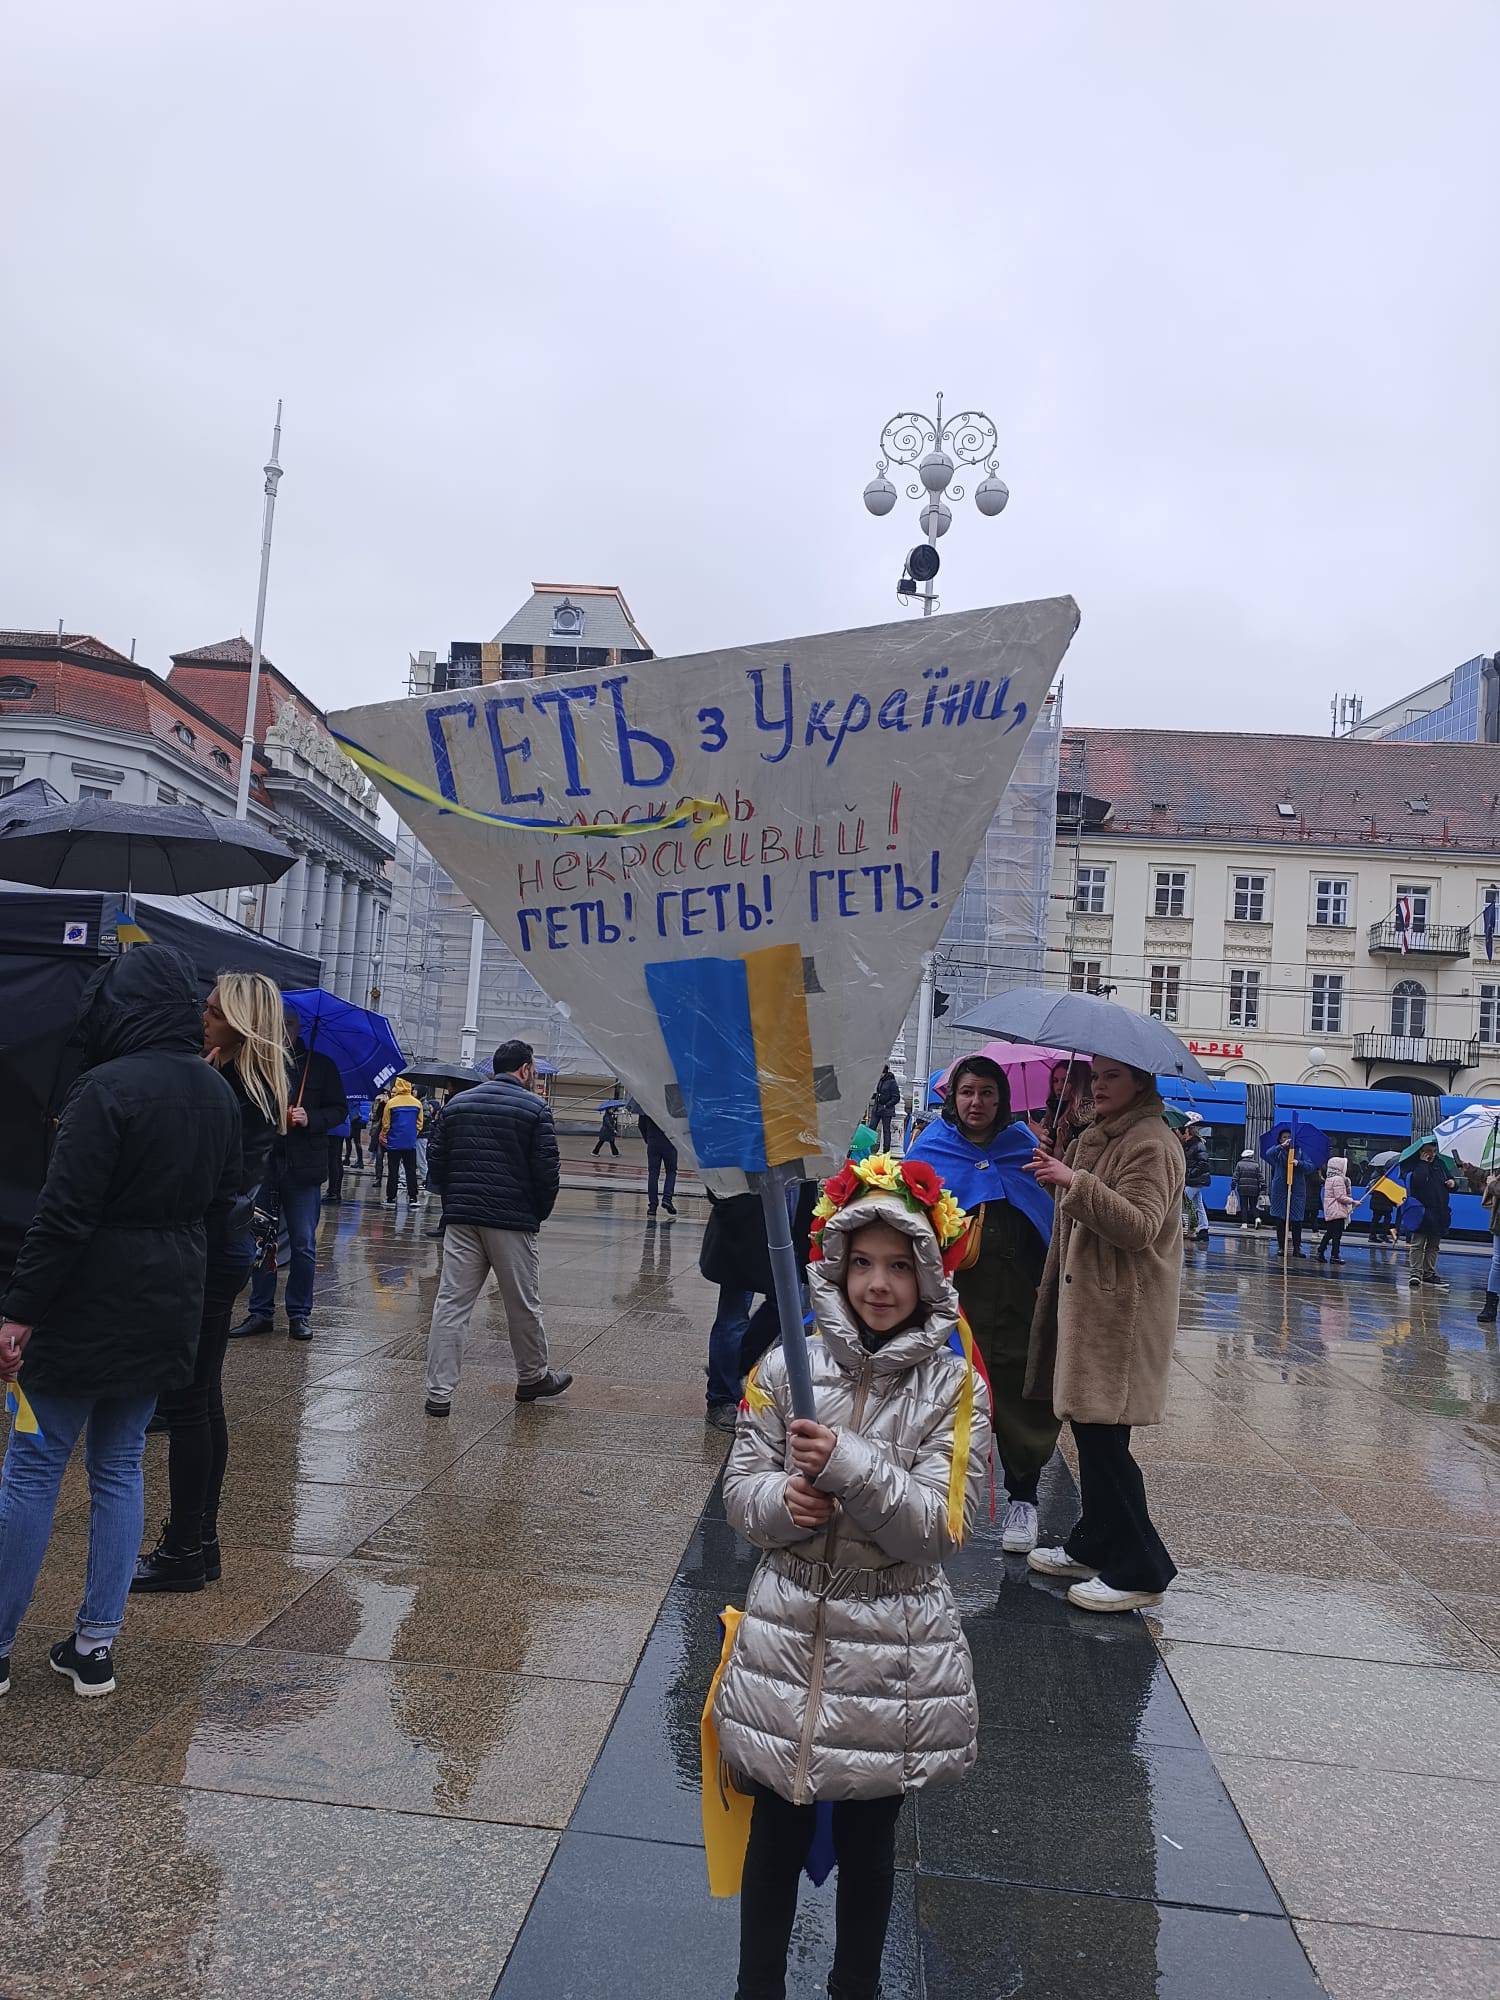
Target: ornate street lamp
937, 449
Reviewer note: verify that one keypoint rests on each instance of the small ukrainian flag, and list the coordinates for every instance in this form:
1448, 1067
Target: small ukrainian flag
18, 1407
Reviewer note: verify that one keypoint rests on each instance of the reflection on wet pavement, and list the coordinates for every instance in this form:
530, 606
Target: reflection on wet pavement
346, 1769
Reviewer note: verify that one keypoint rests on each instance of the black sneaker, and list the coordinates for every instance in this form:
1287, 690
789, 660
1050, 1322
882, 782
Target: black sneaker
723, 1416
435, 1409
91, 1673
5, 1675
169, 1568
552, 1384
298, 1329
213, 1561
252, 1323
670, 1207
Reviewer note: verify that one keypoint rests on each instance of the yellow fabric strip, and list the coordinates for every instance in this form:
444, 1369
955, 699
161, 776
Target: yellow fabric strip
963, 1433
687, 814
783, 1051
726, 1812
755, 1398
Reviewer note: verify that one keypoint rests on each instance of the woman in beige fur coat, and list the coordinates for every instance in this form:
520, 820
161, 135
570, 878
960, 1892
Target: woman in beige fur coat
1106, 1318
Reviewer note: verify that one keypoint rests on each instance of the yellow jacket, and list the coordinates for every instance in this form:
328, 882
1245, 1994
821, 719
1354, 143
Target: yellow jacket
402, 1104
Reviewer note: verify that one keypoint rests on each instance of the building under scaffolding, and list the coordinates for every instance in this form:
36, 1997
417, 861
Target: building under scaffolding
996, 933
995, 936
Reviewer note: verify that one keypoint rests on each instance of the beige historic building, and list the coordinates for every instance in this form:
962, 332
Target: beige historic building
1257, 893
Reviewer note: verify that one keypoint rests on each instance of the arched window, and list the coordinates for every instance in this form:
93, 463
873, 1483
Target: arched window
1409, 1009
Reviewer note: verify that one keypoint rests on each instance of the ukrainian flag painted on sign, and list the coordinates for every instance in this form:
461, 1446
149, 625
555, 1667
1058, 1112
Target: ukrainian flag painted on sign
737, 1034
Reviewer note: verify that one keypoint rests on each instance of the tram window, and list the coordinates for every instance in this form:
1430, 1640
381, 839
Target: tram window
1359, 1148
1225, 1143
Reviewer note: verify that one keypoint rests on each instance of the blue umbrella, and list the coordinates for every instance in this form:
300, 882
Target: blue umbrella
1310, 1142
361, 1043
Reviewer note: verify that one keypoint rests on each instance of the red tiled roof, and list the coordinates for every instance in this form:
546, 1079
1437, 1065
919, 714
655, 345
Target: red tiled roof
118, 694
214, 677
1189, 783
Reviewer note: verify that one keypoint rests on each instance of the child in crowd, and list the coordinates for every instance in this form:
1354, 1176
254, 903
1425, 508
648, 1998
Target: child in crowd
850, 1681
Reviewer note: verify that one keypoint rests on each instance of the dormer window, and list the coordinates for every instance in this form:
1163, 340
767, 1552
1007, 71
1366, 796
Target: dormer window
183, 734
14, 688
567, 620
221, 759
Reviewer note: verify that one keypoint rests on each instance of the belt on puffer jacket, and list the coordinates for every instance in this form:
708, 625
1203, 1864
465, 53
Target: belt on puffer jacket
822, 1579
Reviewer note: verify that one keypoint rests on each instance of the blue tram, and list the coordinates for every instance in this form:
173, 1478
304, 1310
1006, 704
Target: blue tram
1359, 1123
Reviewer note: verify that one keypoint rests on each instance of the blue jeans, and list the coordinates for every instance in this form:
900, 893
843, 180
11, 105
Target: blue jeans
300, 1207
117, 1506
725, 1338
1492, 1282
1198, 1207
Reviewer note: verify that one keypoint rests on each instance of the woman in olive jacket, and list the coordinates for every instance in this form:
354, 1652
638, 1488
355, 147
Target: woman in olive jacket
1106, 1320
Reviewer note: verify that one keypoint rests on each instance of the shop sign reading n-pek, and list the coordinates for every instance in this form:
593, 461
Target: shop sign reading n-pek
726, 868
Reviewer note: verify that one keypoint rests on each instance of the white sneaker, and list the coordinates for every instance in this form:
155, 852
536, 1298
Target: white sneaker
1057, 1562
1019, 1537
1096, 1596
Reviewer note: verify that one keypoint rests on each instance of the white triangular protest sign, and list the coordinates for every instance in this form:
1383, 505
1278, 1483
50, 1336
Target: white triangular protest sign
727, 867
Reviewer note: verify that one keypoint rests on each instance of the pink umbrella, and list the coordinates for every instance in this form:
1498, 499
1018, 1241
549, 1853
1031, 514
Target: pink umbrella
1027, 1067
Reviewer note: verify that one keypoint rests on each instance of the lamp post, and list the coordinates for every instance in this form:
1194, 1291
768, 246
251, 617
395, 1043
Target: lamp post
247, 742
936, 448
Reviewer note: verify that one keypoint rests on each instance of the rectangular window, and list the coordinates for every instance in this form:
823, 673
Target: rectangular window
7, 783
1489, 1014
1169, 893
1420, 896
1327, 1013
1085, 974
1331, 902
515, 662
1249, 899
95, 792
166, 795
1088, 896
1244, 997
1166, 981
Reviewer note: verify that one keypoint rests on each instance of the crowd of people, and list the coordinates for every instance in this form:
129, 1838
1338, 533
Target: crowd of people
1012, 1274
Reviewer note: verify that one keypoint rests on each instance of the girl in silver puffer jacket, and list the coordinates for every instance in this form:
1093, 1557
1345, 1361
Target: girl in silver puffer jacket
850, 1681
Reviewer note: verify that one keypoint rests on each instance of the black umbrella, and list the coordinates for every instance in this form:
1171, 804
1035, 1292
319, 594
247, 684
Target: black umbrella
1086, 1025
160, 850
447, 1076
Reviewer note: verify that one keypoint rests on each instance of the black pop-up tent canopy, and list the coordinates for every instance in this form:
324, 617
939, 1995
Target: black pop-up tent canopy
51, 942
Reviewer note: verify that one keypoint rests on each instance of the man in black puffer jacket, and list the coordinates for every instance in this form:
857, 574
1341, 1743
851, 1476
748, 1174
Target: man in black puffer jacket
107, 1293
493, 1159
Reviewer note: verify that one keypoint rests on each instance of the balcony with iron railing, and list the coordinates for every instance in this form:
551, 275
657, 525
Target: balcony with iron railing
1450, 1052
1432, 940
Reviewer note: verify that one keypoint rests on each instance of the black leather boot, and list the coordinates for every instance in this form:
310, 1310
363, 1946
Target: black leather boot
169, 1567
1487, 1313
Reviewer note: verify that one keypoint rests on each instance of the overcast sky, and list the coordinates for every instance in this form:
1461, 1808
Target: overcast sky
624, 292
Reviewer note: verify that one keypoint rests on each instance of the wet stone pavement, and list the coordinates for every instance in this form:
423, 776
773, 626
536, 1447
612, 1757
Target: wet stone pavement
437, 1728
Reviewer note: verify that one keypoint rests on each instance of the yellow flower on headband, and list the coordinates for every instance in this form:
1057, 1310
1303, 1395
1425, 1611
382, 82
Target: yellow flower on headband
948, 1219
824, 1209
879, 1171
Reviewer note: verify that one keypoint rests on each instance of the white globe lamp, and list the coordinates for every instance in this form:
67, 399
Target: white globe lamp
936, 518
880, 495
991, 495
935, 471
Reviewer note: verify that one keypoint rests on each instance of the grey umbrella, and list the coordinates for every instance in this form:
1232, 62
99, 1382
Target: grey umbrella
158, 850
1087, 1026
448, 1076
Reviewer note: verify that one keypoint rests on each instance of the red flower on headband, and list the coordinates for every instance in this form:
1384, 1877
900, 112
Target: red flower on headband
844, 1183
924, 1183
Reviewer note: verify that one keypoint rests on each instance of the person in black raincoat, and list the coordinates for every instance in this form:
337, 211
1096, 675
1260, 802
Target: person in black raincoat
102, 1311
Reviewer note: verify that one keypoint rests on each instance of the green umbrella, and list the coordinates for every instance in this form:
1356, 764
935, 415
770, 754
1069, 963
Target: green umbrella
1446, 1161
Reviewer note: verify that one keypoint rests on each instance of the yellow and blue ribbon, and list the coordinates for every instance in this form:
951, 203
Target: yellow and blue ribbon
707, 815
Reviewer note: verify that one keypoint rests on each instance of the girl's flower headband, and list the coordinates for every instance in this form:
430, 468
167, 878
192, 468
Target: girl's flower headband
913, 1182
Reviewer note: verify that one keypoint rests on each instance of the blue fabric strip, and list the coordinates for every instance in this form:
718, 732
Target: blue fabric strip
703, 1008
